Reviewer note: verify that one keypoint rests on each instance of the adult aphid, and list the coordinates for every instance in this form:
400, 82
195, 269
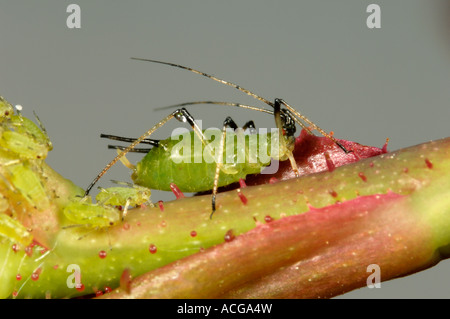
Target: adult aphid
156, 169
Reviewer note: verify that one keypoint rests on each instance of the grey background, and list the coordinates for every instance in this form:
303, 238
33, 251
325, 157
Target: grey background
365, 85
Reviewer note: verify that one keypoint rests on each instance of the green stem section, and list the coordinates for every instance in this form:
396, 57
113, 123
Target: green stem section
329, 249
302, 256
312, 236
151, 238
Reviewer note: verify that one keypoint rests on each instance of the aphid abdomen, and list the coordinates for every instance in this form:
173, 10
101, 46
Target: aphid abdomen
85, 213
120, 196
21, 136
14, 230
171, 163
158, 169
28, 183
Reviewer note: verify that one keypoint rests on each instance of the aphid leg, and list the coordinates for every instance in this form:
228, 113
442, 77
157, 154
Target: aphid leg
93, 230
181, 115
291, 112
125, 209
124, 160
87, 227
149, 141
184, 116
14, 230
154, 143
297, 117
228, 123
129, 148
284, 148
134, 150
43, 129
103, 190
122, 183
250, 125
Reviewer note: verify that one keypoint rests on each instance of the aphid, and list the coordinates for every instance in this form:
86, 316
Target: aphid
14, 230
175, 162
133, 195
24, 138
24, 179
6, 109
157, 170
82, 212
4, 204
22, 143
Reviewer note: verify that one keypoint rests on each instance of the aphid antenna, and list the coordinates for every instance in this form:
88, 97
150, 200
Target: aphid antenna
297, 116
122, 183
238, 87
44, 130
148, 141
88, 231
250, 107
73, 226
253, 108
134, 150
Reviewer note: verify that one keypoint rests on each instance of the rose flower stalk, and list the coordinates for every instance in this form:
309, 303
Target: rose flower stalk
314, 236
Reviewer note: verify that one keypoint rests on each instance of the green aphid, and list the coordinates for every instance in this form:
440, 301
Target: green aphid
23, 137
158, 169
175, 161
8, 158
133, 195
82, 212
25, 180
6, 109
4, 204
14, 230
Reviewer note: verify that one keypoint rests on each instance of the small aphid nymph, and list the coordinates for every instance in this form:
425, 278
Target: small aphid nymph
82, 212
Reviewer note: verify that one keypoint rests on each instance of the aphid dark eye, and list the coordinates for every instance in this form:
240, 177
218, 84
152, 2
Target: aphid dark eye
180, 117
290, 130
289, 126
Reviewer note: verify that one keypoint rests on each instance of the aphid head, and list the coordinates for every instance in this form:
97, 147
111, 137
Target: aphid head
288, 123
180, 116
